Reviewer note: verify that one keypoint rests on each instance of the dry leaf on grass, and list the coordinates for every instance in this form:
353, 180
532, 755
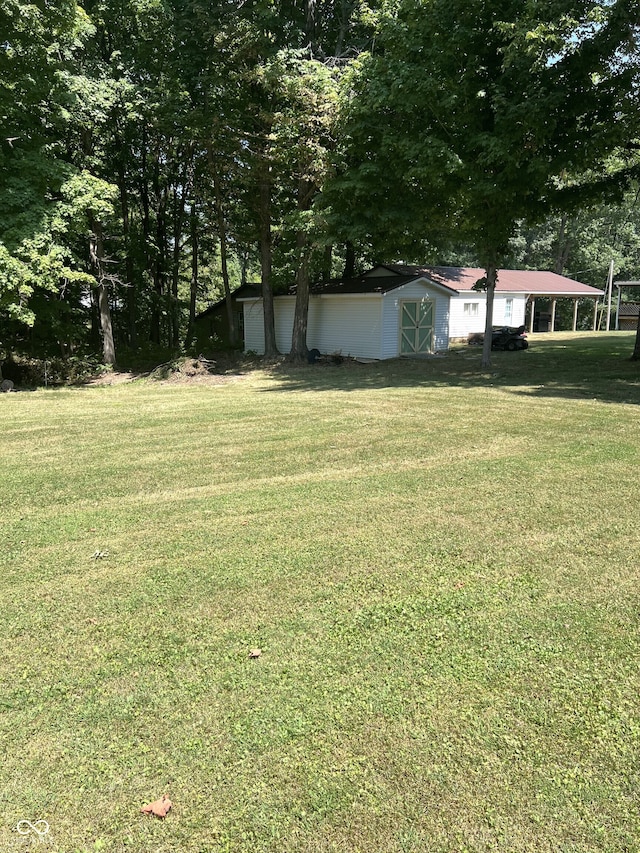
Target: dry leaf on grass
159, 808
255, 653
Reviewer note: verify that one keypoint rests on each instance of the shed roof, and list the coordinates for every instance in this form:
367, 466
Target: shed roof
245, 291
370, 284
387, 277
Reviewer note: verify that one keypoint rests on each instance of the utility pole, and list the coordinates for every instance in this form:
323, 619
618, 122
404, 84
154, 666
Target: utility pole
609, 290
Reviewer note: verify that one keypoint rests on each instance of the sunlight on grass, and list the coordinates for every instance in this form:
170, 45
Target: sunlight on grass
440, 567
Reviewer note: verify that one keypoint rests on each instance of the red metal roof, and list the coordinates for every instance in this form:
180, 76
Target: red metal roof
387, 277
533, 282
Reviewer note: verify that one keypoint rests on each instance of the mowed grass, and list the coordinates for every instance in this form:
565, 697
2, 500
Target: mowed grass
440, 565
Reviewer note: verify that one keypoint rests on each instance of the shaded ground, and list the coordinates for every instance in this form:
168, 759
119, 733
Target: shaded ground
573, 365
570, 365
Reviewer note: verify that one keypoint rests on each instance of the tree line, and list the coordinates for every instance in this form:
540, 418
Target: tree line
155, 154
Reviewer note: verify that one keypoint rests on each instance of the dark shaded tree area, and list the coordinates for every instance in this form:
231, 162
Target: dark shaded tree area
475, 118
155, 154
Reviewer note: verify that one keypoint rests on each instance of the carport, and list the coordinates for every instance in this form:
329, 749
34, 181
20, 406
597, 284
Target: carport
560, 288
551, 319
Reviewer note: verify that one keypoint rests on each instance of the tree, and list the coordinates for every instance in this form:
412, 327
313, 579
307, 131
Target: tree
470, 117
582, 243
37, 38
302, 133
635, 356
211, 120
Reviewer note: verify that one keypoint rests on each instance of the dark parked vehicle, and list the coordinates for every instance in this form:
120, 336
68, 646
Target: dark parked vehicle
509, 338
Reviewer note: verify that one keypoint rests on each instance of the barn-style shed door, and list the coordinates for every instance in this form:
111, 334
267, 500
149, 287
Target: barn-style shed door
416, 326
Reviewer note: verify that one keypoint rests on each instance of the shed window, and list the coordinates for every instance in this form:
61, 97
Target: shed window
508, 310
470, 309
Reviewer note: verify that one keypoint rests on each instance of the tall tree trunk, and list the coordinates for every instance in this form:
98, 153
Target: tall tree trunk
222, 235
636, 350
128, 261
108, 346
172, 294
179, 210
96, 255
299, 350
563, 248
327, 260
350, 260
492, 277
146, 227
346, 9
159, 267
310, 25
193, 289
264, 215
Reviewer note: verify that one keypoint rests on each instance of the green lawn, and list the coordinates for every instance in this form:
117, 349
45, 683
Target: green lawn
440, 566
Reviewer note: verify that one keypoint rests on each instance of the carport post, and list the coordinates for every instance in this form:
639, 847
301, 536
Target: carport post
553, 314
595, 314
575, 314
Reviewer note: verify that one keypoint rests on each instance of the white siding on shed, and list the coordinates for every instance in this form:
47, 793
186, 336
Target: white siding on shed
349, 325
254, 326
284, 308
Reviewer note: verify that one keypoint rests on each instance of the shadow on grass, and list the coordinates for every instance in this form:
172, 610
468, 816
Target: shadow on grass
569, 365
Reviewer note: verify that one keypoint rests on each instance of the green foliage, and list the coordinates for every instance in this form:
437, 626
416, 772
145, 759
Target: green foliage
471, 119
475, 119
159, 123
37, 204
583, 243
49, 248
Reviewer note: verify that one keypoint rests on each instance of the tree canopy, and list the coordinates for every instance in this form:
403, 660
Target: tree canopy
476, 117
157, 153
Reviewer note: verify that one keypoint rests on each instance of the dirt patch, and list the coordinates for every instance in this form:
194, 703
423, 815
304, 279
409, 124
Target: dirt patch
113, 377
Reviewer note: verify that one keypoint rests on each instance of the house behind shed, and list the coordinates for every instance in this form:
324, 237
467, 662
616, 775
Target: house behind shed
400, 310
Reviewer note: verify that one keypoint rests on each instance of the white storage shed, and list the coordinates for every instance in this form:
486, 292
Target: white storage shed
398, 310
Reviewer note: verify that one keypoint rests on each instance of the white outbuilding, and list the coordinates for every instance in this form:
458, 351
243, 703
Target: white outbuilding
398, 310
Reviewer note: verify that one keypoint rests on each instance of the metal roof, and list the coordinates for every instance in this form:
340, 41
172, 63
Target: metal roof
532, 282
387, 277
